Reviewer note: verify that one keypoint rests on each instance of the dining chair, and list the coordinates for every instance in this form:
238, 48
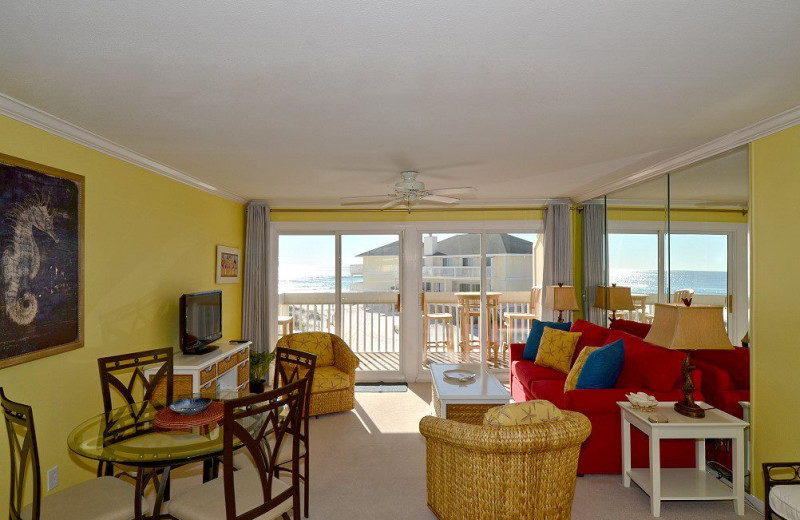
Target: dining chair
105, 498
123, 371
290, 366
260, 424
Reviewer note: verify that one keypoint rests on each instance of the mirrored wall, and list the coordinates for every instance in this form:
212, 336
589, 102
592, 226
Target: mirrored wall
681, 235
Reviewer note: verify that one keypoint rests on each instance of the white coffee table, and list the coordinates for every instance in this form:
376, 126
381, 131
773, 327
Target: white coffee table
683, 483
466, 402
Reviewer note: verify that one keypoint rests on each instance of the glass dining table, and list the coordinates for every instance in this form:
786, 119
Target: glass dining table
129, 436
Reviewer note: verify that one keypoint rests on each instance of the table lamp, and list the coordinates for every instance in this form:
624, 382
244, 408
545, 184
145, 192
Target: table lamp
688, 327
561, 298
614, 298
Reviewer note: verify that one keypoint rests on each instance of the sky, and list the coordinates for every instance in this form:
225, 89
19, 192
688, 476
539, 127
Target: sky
688, 252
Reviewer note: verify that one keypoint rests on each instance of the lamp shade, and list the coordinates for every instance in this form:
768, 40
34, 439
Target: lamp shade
699, 327
614, 298
561, 298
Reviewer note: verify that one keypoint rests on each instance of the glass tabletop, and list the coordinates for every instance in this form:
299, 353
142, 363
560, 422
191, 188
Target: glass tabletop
127, 435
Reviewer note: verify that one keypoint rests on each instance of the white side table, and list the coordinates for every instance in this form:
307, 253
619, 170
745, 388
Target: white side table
683, 483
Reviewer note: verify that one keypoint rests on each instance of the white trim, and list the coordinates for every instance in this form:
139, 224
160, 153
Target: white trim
16, 109
719, 145
755, 502
464, 203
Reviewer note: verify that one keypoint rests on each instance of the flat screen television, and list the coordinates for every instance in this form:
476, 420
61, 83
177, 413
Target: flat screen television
200, 321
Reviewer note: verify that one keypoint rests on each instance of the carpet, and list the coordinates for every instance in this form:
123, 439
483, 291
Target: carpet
370, 463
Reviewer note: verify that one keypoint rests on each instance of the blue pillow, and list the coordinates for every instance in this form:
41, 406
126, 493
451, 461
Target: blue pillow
602, 367
535, 337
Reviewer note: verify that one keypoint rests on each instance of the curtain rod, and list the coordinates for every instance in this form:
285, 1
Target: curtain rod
404, 210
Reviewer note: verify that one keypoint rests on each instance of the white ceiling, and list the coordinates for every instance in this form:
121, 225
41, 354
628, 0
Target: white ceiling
310, 101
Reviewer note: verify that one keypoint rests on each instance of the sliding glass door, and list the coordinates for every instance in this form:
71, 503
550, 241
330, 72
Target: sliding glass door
348, 285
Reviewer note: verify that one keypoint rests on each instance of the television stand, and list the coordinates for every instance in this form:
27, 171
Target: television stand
204, 350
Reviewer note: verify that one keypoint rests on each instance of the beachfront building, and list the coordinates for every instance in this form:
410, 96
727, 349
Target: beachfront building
452, 264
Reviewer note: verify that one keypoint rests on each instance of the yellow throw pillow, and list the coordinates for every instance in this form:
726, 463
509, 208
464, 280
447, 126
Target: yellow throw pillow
529, 412
556, 348
575, 371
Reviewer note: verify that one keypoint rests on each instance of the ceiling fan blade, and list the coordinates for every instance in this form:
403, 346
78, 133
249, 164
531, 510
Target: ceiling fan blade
454, 191
376, 198
392, 203
439, 198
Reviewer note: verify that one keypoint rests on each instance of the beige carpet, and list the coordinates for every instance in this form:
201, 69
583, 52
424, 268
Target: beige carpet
370, 463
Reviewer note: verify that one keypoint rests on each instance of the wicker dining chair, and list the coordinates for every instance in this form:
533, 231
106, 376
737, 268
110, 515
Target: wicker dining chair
290, 366
122, 373
522, 472
105, 498
261, 423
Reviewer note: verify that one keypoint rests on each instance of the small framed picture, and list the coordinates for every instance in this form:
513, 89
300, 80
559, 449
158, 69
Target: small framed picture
228, 264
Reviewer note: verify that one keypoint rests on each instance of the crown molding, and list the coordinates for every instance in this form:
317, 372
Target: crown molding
16, 109
717, 146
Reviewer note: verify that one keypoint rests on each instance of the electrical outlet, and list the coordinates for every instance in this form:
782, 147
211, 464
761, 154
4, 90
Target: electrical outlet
52, 478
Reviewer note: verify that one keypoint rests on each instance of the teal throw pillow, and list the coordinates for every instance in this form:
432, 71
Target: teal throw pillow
535, 337
602, 367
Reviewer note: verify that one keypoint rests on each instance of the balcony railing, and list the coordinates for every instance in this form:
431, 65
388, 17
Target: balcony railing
459, 272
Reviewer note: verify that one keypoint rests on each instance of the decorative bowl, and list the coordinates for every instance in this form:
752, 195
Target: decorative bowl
460, 375
642, 401
190, 406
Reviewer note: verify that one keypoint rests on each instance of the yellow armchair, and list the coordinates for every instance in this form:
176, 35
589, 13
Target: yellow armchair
503, 472
333, 387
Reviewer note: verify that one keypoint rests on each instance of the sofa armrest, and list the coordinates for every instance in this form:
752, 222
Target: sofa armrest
515, 351
714, 378
343, 358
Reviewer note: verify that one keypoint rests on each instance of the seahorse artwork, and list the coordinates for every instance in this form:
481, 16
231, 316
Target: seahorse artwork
21, 258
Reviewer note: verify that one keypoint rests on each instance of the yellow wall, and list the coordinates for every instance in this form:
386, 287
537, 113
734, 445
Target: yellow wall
775, 385
148, 240
416, 215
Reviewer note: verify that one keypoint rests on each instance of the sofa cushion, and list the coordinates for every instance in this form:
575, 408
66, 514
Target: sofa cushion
535, 337
646, 365
550, 390
602, 367
515, 414
577, 366
635, 328
528, 371
556, 348
591, 335
317, 343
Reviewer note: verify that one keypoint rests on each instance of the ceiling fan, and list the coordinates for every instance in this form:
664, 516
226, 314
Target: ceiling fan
409, 191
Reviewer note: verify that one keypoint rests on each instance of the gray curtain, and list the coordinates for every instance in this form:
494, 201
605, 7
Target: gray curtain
557, 250
594, 259
255, 297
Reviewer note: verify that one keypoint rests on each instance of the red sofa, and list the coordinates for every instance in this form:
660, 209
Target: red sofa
646, 368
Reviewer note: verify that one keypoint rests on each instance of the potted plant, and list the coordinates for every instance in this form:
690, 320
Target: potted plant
259, 368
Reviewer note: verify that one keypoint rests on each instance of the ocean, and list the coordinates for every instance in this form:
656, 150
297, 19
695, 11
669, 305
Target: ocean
646, 281
640, 281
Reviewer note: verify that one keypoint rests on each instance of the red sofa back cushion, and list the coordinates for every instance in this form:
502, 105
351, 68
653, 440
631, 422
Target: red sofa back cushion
735, 362
647, 365
635, 328
591, 336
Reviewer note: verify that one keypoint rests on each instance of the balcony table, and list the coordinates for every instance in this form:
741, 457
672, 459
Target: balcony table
127, 436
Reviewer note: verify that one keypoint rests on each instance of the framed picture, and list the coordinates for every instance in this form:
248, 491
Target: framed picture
41, 261
228, 263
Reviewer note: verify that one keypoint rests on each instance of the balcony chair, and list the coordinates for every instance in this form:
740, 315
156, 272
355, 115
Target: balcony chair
430, 319
524, 472
333, 388
104, 498
261, 424
535, 311
679, 295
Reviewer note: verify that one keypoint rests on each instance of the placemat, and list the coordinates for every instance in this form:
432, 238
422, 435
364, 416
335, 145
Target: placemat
169, 420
